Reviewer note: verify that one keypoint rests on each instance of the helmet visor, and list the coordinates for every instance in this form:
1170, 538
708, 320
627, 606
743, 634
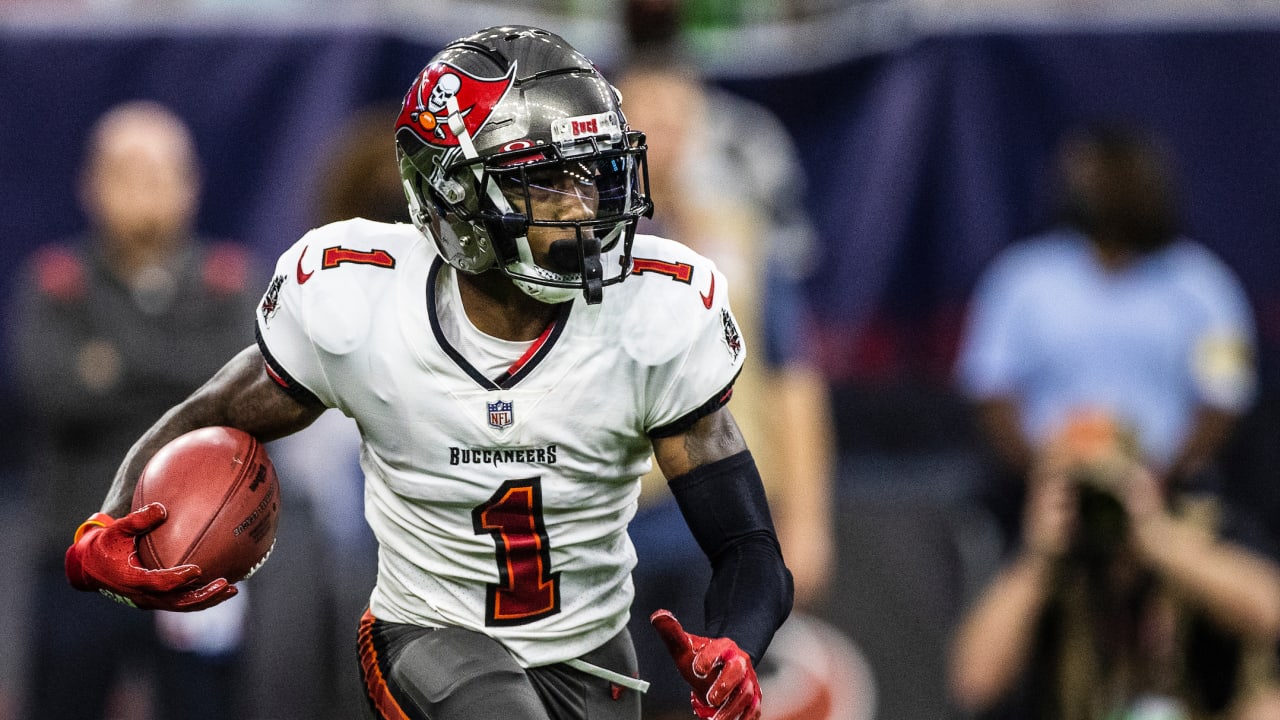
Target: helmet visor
584, 200
595, 191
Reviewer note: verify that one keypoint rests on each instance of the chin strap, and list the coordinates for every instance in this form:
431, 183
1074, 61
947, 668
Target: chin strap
592, 270
459, 129
581, 256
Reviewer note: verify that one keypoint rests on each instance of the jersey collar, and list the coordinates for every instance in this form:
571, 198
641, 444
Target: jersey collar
521, 368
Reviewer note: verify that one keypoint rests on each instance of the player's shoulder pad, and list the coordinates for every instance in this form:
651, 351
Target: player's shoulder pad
356, 244
667, 271
673, 297
333, 277
347, 254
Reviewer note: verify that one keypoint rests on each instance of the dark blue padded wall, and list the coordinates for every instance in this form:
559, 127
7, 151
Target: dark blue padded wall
922, 161
927, 160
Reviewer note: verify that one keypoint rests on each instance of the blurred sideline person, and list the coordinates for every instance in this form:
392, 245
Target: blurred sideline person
111, 329
513, 359
1113, 587
1114, 310
360, 178
690, 127
742, 208
1126, 599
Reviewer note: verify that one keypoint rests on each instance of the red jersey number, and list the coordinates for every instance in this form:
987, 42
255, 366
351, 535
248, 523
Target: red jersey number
527, 589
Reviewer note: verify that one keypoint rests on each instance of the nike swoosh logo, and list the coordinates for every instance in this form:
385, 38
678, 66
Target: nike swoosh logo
706, 298
303, 277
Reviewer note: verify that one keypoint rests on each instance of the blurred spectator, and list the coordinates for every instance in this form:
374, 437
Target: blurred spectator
110, 330
1148, 594
360, 178
760, 238
1127, 599
740, 205
1113, 311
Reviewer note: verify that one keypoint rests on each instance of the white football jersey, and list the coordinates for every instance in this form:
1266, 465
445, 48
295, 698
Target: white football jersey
501, 503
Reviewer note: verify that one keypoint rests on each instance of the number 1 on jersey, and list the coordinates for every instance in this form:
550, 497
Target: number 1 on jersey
527, 590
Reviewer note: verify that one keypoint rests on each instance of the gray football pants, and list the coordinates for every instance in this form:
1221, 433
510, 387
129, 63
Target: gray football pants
418, 673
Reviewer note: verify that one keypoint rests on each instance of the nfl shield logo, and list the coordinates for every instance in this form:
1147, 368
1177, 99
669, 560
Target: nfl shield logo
500, 415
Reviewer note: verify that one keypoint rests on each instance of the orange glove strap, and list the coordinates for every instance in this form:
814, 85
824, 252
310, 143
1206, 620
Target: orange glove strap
98, 519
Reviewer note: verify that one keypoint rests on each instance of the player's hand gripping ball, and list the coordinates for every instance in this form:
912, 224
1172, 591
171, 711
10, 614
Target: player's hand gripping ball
223, 501
204, 516
723, 680
104, 557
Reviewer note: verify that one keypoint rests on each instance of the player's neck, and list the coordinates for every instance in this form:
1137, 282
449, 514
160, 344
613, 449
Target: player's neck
498, 308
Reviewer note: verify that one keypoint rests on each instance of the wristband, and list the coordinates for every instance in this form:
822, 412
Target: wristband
98, 519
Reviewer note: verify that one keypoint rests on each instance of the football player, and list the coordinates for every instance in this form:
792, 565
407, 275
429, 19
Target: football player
512, 359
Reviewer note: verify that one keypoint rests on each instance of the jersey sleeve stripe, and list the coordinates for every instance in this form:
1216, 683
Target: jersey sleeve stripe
687, 420
277, 373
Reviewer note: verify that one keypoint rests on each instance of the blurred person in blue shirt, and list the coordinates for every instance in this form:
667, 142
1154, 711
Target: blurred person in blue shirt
1110, 359
1114, 311
110, 328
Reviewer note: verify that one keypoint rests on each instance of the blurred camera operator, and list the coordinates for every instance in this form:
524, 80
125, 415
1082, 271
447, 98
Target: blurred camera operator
1110, 359
1124, 601
1115, 308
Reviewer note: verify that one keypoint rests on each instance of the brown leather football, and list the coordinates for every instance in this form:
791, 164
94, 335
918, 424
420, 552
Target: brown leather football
223, 502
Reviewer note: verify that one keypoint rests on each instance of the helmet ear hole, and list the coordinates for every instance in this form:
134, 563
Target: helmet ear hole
438, 203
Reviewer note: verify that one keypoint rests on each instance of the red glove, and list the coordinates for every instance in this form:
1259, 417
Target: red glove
104, 557
720, 673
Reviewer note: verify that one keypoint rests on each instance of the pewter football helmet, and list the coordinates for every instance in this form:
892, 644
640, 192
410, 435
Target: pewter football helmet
494, 120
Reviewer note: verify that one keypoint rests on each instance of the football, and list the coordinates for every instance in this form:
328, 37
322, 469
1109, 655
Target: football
223, 502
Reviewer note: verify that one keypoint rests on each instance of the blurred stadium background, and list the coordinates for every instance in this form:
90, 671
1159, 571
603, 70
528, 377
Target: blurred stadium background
925, 128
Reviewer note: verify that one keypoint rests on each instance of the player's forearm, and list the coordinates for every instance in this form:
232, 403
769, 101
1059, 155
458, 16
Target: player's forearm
240, 395
750, 594
181, 419
751, 590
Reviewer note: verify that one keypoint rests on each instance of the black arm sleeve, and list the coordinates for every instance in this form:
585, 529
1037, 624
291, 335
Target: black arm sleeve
750, 595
